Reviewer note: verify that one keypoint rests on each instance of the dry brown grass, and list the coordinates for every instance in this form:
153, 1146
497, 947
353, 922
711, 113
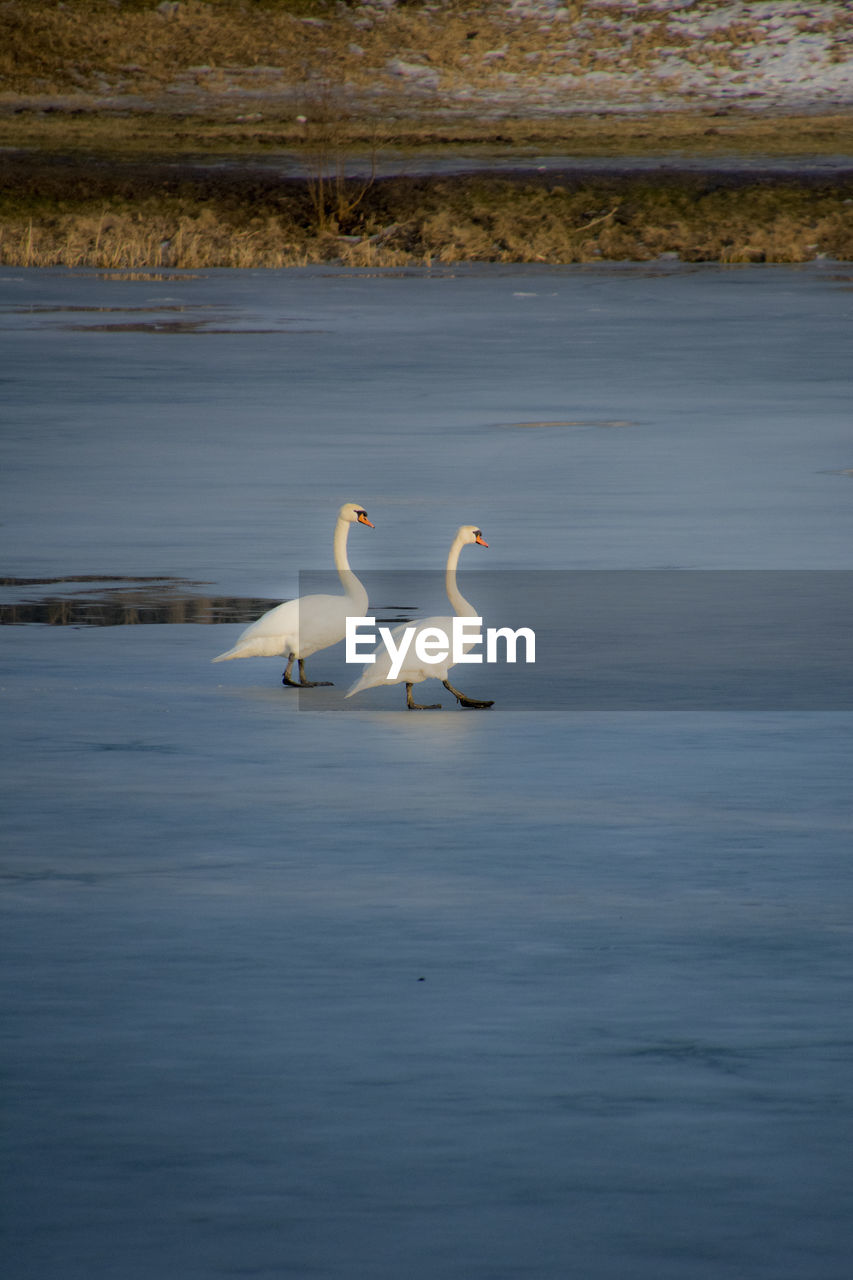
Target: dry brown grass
108, 204
51, 46
118, 241
84, 44
216, 48
136, 217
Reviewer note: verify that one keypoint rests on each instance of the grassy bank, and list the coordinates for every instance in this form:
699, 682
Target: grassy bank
85, 132
115, 189
62, 212
139, 47
113, 112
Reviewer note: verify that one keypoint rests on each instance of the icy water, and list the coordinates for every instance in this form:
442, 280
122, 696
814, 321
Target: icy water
461, 995
390, 163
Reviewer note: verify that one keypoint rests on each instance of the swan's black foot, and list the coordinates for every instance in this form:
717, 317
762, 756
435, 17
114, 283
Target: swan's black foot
309, 684
464, 701
420, 706
301, 683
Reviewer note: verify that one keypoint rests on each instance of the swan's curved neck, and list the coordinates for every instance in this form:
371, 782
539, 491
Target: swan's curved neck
351, 584
340, 548
461, 606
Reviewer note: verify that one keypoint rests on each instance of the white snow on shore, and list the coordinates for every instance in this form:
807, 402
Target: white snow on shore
785, 54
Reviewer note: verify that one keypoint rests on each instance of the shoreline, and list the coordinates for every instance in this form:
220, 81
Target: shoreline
243, 211
712, 131
206, 153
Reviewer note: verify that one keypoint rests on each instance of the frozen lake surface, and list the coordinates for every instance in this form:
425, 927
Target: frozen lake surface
469, 995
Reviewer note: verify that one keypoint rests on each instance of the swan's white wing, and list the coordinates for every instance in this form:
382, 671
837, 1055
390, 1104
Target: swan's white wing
322, 622
299, 626
413, 670
269, 636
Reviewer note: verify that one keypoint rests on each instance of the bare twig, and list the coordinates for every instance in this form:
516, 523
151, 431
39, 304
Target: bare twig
595, 222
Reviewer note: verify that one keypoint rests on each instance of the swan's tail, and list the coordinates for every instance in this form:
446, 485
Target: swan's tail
229, 653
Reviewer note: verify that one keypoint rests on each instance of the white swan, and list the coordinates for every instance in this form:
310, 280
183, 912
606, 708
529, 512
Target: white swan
413, 670
300, 627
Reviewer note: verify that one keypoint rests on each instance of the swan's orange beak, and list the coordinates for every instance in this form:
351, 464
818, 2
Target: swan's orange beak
480, 540
362, 519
